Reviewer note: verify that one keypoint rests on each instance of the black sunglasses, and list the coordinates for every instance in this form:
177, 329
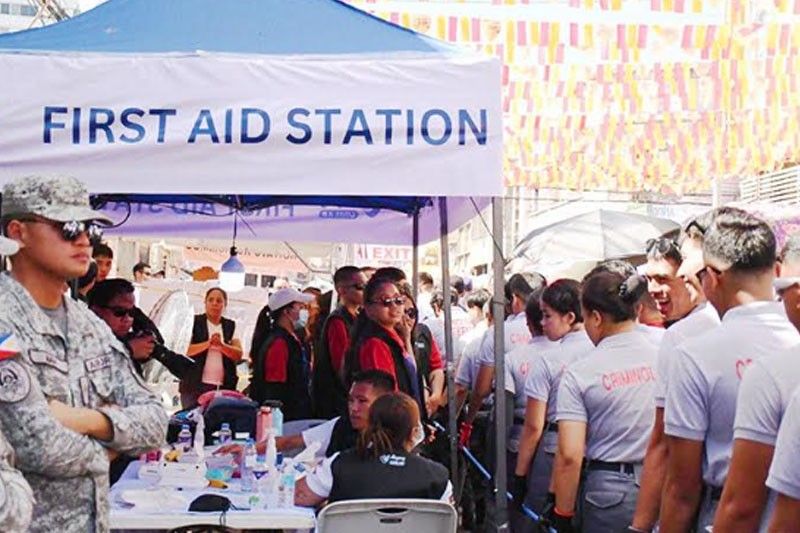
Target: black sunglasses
388, 302
661, 245
120, 312
411, 313
70, 231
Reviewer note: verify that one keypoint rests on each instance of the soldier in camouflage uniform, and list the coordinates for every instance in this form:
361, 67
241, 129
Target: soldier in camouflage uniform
70, 400
16, 498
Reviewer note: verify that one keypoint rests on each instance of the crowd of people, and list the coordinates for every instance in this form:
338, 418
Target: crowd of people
659, 398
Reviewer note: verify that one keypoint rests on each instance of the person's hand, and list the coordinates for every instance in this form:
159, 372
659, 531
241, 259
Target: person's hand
519, 487
561, 522
141, 347
403, 329
67, 416
215, 340
464, 433
433, 403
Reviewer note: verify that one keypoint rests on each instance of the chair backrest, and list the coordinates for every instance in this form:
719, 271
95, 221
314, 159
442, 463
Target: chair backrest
401, 515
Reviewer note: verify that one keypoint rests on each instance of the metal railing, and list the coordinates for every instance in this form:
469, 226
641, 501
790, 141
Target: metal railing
779, 187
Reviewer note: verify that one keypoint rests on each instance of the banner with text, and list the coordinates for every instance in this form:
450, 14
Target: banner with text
341, 125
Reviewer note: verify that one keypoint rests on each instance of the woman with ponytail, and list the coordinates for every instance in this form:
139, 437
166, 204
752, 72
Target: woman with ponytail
280, 363
382, 464
604, 411
380, 339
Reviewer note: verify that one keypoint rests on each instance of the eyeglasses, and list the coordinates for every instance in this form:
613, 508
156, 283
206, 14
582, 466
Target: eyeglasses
70, 231
120, 312
388, 302
411, 313
661, 245
696, 225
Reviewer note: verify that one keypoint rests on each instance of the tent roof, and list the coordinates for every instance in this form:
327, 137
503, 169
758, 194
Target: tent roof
233, 26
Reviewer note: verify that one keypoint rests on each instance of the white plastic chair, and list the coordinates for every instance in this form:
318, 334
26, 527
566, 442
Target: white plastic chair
401, 515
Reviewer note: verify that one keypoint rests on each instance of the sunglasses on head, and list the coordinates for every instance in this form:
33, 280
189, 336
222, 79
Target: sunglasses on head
120, 312
70, 231
661, 245
388, 302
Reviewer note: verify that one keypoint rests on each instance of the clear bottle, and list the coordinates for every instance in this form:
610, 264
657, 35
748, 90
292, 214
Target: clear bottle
287, 483
277, 420
185, 439
225, 434
248, 465
272, 451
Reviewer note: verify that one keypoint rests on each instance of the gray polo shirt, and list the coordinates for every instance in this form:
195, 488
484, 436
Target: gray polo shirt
784, 474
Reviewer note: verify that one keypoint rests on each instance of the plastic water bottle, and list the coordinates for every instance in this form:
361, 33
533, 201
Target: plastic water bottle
250, 460
225, 434
286, 487
185, 438
277, 420
272, 451
258, 499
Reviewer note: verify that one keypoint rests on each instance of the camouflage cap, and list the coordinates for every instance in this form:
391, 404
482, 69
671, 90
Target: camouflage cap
8, 246
59, 198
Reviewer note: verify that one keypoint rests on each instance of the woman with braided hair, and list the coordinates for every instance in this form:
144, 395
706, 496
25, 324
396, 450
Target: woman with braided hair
604, 411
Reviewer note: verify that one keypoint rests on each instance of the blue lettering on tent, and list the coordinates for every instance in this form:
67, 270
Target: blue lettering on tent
100, 119
357, 119
50, 125
328, 113
295, 123
162, 115
262, 136
125, 119
388, 114
204, 125
465, 120
447, 126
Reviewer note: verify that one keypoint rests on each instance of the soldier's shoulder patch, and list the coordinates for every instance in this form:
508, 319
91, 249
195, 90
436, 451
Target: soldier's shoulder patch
8, 346
15, 382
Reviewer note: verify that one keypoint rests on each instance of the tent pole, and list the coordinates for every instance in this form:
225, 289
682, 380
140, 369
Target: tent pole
448, 341
498, 310
415, 253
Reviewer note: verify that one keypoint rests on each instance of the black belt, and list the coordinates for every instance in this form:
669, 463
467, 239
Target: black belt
551, 426
716, 492
604, 466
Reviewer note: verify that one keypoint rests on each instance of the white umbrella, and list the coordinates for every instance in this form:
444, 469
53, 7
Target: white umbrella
592, 237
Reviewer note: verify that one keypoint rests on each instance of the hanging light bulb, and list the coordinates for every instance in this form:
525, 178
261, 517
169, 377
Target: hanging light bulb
231, 273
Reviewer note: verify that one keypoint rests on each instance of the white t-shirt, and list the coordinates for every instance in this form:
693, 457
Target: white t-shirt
702, 319
214, 370
705, 377
321, 480
322, 434
461, 326
468, 364
518, 363
653, 333
784, 474
424, 308
516, 333
611, 390
545, 374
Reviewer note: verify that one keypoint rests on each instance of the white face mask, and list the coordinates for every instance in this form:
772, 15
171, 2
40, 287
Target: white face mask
418, 435
302, 319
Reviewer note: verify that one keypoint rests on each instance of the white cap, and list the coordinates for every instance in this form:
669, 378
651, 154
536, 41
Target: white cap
781, 284
8, 246
283, 297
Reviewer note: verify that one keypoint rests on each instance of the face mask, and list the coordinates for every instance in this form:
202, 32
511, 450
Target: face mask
302, 320
418, 435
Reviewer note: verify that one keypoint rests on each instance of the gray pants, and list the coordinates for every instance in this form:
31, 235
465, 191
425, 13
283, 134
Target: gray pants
607, 501
705, 515
541, 471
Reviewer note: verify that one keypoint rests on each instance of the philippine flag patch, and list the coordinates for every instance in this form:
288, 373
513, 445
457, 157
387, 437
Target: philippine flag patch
8, 346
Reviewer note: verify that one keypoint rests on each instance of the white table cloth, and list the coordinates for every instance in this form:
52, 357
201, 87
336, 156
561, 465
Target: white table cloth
126, 517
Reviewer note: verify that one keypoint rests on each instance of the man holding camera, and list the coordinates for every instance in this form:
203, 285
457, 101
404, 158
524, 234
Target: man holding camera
113, 301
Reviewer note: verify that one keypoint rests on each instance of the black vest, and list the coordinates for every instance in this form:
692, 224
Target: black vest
343, 437
389, 476
372, 330
294, 392
193, 380
328, 389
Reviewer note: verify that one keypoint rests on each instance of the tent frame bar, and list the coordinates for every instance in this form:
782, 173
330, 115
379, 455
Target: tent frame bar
498, 311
